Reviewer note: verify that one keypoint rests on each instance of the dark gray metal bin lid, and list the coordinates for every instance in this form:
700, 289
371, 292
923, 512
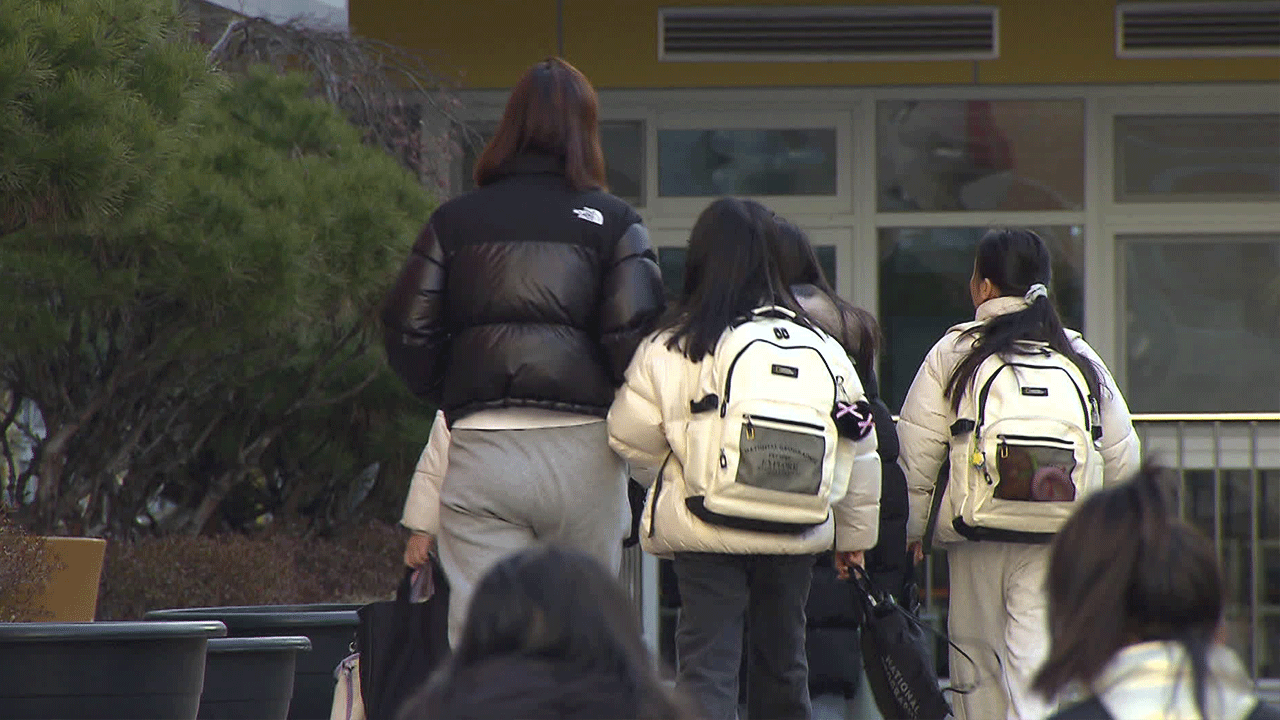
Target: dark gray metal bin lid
109, 630
259, 616
297, 643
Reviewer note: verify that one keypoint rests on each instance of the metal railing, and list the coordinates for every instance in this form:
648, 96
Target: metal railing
1229, 465
1235, 459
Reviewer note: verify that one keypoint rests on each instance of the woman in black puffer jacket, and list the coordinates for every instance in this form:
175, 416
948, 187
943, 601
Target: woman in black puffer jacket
516, 314
834, 613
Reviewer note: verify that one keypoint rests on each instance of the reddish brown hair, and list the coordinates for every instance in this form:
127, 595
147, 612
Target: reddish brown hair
553, 110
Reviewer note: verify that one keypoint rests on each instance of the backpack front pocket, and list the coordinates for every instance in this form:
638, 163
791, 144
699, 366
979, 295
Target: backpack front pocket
1033, 468
781, 455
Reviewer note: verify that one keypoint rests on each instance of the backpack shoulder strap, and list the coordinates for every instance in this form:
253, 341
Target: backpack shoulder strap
1091, 709
960, 427
935, 507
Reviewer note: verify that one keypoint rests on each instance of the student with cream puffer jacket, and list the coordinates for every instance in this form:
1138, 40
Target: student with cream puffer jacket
997, 606
731, 576
648, 420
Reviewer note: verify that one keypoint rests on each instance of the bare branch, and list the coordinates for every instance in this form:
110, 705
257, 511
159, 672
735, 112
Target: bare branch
379, 86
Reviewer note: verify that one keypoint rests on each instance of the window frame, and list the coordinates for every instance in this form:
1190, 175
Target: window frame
690, 206
1120, 369
855, 213
1113, 220
1168, 199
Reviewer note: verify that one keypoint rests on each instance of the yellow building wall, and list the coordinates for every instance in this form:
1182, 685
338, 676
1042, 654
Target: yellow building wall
1074, 41
488, 43
479, 43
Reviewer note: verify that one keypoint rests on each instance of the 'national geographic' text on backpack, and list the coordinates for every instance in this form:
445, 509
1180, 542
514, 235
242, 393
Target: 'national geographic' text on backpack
1024, 450
762, 436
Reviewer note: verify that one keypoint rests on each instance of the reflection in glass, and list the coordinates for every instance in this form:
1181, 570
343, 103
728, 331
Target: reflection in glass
710, 163
623, 145
671, 260
1171, 158
924, 289
1202, 316
980, 155
621, 141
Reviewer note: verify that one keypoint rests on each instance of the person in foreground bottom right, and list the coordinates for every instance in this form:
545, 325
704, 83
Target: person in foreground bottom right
1136, 614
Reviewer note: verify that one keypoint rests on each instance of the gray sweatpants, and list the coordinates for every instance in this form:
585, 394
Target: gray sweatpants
507, 490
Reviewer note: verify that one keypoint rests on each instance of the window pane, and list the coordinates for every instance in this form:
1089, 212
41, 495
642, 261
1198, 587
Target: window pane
707, 163
980, 155
623, 145
621, 141
671, 260
1202, 323
924, 289
1163, 158
473, 144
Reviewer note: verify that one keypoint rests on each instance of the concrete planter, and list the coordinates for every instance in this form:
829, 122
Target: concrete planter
330, 626
250, 678
103, 671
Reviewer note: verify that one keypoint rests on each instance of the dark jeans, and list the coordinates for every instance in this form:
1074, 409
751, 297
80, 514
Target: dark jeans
720, 593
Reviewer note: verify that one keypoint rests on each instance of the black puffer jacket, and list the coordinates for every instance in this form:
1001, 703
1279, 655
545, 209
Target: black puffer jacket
524, 293
834, 614
888, 562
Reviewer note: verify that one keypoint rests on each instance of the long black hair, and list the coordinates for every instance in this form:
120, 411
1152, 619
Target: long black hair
857, 330
731, 269
1014, 259
542, 608
1126, 569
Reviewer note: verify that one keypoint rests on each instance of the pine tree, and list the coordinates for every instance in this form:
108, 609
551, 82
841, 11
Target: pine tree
95, 96
190, 266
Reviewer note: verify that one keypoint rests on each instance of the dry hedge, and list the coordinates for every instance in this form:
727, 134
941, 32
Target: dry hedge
277, 568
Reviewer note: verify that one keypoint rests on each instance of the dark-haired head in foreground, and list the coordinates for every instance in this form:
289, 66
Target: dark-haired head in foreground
549, 634
1136, 608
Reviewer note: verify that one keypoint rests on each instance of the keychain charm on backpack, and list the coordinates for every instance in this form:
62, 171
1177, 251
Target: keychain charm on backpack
977, 458
855, 420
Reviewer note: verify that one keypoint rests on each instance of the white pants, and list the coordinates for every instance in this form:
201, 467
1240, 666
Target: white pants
999, 616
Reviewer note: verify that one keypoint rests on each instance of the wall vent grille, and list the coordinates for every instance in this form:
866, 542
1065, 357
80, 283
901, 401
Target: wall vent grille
1198, 29
828, 34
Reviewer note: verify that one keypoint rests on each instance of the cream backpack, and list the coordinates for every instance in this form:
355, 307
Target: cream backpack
1025, 449
763, 432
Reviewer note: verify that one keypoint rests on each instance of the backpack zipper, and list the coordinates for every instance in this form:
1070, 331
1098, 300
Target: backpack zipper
657, 491
1037, 438
779, 421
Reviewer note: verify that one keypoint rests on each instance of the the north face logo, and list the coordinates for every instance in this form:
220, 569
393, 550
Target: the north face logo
590, 214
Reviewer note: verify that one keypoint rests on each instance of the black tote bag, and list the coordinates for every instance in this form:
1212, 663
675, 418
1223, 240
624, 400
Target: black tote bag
401, 643
895, 654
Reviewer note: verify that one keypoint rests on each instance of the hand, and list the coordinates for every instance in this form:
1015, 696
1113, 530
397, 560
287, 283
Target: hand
916, 551
418, 549
847, 559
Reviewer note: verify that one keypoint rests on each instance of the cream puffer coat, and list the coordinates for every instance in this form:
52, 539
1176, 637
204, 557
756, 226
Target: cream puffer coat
924, 425
1154, 680
648, 421
422, 505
